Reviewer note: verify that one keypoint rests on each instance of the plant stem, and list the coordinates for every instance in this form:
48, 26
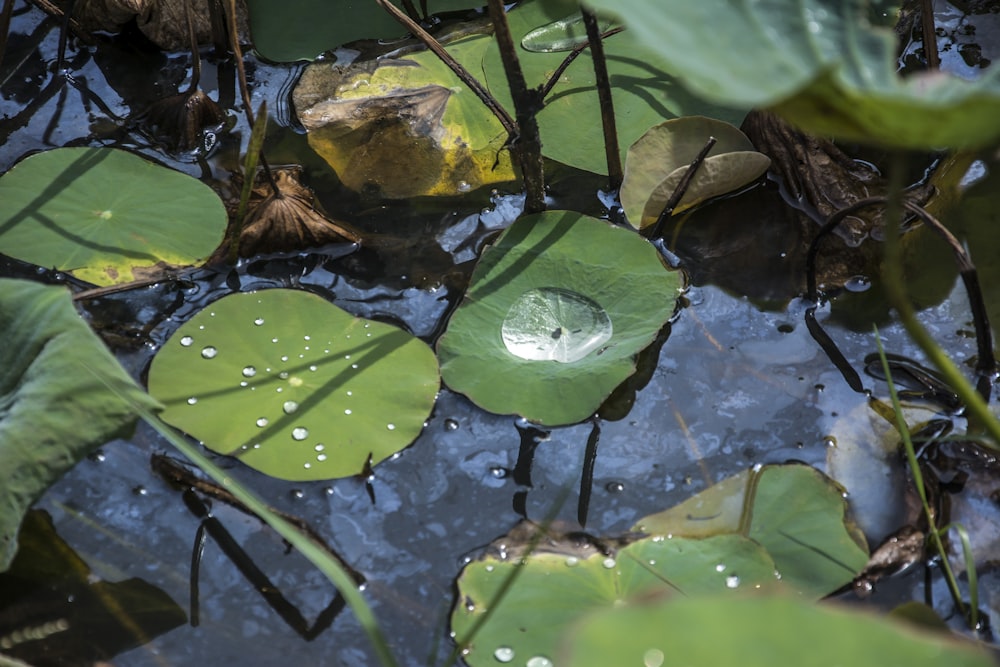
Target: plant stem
527, 103
611, 151
435, 46
929, 34
682, 186
568, 60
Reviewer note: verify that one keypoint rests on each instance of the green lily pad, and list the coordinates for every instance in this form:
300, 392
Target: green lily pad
658, 160
105, 215
819, 63
61, 395
555, 313
815, 547
294, 386
756, 632
555, 589
644, 90
303, 29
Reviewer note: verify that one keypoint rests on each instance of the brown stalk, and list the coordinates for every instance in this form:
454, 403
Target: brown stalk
682, 186
603, 82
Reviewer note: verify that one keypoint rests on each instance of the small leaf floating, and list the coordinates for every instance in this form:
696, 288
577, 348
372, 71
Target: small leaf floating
294, 386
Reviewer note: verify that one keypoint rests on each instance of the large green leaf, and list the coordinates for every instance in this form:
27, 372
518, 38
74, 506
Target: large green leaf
294, 386
644, 91
61, 395
105, 215
795, 512
303, 29
817, 62
555, 313
756, 632
556, 589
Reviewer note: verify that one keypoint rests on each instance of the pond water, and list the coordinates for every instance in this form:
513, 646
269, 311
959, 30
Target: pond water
735, 380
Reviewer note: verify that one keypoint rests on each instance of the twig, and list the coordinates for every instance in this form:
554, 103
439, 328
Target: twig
568, 60
929, 34
74, 25
611, 150
433, 45
681, 189
527, 103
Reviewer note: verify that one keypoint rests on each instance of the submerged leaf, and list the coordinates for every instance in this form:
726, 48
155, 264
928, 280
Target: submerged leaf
555, 313
294, 386
658, 160
61, 395
105, 215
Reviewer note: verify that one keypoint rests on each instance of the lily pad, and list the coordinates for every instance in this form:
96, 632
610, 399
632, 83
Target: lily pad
105, 215
404, 127
658, 160
555, 589
555, 313
815, 547
644, 89
61, 395
304, 29
294, 386
819, 63
756, 632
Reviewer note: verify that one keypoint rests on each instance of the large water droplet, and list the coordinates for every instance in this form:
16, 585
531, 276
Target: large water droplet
504, 654
300, 433
289, 407
187, 341
653, 658
732, 581
551, 323
209, 352
538, 661
249, 372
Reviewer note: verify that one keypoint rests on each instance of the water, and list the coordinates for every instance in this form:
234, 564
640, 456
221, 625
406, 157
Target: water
739, 382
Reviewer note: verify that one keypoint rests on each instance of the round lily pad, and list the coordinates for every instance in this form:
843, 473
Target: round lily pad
105, 215
555, 313
555, 590
657, 161
294, 386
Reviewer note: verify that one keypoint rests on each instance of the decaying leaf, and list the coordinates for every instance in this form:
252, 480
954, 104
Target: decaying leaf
162, 21
290, 221
180, 120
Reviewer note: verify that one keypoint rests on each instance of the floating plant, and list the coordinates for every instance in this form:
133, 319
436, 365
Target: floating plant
294, 386
555, 313
739, 535
658, 160
105, 215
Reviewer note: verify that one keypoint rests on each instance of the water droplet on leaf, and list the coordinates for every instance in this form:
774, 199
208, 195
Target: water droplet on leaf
289, 407
300, 433
249, 372
209, 352
262, 422
504, 654
187, 341
551, 323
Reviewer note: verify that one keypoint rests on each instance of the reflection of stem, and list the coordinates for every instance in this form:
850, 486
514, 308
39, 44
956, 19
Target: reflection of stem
614, 157
587, 475
435, 46
681, 189
5, 15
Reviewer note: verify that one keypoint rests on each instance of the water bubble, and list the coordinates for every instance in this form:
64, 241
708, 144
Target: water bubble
284, 357
259, 321
209, 352
306, 338
289, 407
313, 368
307, 465
538, 661
504, 654
321, 457
732, 581
319, 447
262, 422
192, 400
298, 494
858, 284
300, 433
354, 366
652, 658
187, 341
391, 427
139, 490
499, 472
614, 487
720, 568
244, 383
347, 356
249, 372
274, 340
347, 411
608, 563
350, 393
556, 324
450, 425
